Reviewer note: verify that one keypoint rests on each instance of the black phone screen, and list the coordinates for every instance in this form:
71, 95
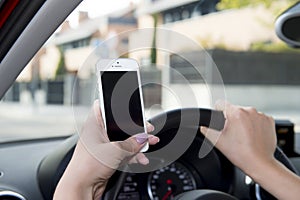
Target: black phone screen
122, 104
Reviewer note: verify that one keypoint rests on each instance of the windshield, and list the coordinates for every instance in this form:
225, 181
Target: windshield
233, 39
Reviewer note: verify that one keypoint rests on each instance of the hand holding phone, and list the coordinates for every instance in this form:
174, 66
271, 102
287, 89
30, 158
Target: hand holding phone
121, 98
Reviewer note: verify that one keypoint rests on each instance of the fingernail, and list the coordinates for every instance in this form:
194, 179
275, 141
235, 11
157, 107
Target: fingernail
220, 104
141, 138
203, 129
153, 137
151, 128
157, 139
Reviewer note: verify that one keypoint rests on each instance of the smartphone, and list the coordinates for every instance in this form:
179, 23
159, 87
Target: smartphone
121, 98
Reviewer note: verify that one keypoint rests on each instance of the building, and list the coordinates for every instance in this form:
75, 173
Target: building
60, 64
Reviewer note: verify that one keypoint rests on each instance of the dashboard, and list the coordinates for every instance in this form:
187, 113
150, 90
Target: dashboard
30, 170
19, 165
189, 172
23, 164
164, 183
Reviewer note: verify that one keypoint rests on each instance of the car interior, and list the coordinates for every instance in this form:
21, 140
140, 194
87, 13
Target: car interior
30, 168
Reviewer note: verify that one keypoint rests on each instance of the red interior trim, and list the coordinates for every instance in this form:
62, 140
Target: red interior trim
7, 9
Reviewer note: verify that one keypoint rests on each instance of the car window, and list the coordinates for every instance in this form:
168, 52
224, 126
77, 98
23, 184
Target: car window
238, 39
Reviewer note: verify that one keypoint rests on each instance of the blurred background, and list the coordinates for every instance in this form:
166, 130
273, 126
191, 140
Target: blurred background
257, 68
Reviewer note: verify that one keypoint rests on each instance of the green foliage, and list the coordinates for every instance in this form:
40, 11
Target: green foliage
230, 4
275, 6
208, 43
61, 69
233, 4
272, 47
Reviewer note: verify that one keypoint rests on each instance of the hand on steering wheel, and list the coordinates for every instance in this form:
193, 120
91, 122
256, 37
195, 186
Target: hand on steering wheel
248, 140
247, 135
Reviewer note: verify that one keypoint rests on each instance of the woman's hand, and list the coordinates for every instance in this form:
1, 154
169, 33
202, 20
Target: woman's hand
248, 140
95, 159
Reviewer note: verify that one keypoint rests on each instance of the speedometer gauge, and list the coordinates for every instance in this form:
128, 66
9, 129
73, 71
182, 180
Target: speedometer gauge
170, 181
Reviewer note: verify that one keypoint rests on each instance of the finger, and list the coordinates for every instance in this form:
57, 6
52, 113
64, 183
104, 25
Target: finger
122, 152
150, 127
115, 154
221, 105
153, 139
139, 158
126, 151
97, 112
133, 160
212, 135
142, 159
227, 108
134, 144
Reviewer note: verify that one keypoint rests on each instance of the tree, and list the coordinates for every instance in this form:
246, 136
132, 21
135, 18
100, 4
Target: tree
231, 4
153, 46
61, 69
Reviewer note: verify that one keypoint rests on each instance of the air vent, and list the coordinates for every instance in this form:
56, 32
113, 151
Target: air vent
10, 195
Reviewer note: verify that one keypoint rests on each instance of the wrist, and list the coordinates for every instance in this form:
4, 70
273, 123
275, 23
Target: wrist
72, 187
277, 179
263, 169
76, 183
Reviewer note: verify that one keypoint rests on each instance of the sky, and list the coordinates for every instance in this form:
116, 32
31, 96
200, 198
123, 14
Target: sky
97, 8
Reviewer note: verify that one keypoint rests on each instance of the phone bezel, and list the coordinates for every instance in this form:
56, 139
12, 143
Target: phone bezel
120, 64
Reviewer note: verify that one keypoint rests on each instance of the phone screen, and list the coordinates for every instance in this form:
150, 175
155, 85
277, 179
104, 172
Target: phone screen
122, 104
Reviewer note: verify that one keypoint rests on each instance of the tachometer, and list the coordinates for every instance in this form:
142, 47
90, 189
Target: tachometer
170, 181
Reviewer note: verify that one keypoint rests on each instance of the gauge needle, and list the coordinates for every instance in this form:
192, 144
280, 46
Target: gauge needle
167, 195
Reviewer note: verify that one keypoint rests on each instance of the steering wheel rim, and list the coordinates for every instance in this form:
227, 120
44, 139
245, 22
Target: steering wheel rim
216, 120
204, 195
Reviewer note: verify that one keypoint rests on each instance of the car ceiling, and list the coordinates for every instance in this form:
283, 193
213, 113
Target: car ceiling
35, 30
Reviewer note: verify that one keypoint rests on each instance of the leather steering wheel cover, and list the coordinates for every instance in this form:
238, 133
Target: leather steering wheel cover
204, 195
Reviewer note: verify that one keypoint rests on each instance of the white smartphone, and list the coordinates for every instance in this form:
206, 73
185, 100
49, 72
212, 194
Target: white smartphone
121, 98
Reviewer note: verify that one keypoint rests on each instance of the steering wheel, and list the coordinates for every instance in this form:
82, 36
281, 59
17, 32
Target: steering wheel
53, 166
216, 120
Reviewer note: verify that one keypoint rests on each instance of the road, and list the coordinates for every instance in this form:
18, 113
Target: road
19, 121
31, 121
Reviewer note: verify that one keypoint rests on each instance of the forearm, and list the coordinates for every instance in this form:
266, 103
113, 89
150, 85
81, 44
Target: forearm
278, 180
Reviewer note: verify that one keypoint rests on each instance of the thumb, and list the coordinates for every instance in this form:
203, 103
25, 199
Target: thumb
133, 144
115, 154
